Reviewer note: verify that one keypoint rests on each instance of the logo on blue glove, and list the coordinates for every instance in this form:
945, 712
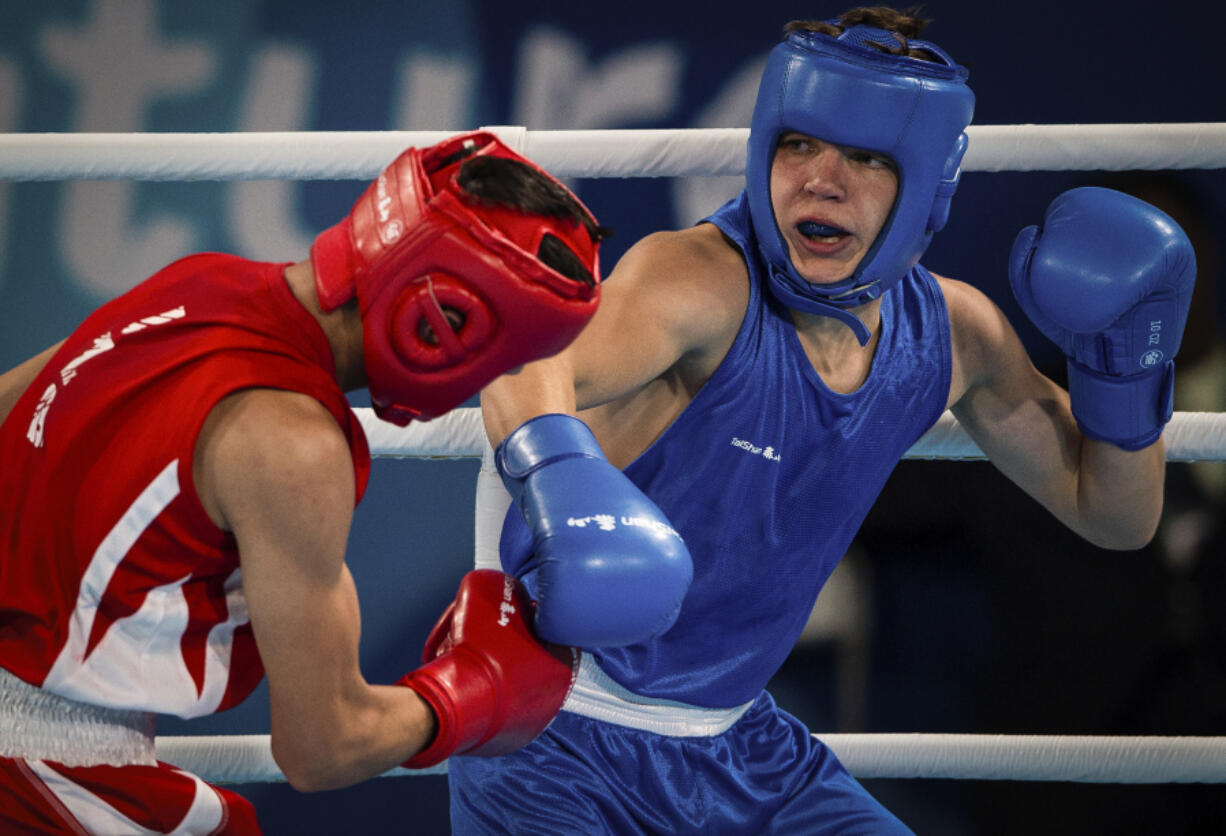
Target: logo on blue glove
1151, 358
608, 522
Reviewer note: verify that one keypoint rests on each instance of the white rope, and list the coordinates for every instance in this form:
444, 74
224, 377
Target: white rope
1190, 436
457, 435
360, 155
1000, 757
238, 759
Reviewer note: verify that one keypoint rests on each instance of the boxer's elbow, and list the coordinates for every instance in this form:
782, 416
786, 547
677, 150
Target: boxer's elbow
313, 760
306, 768
1122, 542
1121, 506
1124, 532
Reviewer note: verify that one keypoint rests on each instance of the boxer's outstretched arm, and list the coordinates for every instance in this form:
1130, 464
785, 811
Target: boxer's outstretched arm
622, 582
667, 299
277, 470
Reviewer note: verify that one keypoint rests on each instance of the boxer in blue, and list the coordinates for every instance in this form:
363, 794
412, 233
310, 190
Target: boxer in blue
687, 474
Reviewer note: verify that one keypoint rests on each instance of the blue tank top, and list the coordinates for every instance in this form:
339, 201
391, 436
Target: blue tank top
768, 474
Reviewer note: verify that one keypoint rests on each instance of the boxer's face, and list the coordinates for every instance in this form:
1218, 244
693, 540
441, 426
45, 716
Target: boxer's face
830, 203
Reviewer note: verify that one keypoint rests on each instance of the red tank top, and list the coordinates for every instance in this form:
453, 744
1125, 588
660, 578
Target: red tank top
115, 587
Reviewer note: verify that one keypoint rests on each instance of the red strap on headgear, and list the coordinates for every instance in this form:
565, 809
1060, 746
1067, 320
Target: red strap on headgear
416, 246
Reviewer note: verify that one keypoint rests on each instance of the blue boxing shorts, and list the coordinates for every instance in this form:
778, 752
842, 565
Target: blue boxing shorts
763, 773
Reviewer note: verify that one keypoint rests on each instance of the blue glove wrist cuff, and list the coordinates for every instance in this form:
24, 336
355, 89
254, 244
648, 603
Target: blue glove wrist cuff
541, 441
1127, 411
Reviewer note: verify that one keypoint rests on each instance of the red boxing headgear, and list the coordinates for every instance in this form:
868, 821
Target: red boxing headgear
416, 243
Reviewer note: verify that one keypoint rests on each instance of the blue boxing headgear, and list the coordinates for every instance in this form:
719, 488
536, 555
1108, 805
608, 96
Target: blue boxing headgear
839, 90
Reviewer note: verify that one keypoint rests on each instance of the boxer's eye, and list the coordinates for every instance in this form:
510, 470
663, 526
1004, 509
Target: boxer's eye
425, 332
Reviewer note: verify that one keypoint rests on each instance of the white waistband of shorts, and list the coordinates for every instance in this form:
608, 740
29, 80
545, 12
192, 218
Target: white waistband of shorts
597, 696
39, 725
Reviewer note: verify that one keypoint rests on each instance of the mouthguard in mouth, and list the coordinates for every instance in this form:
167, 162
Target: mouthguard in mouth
812, 229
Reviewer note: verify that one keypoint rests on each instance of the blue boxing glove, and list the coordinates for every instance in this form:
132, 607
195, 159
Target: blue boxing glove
610, 570
1109, 279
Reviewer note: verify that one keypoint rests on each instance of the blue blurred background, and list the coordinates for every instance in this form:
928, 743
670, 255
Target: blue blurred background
969, 610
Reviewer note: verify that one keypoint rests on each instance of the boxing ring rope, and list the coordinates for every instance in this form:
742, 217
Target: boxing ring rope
240, 759
1189, 437
361, 155
674, 153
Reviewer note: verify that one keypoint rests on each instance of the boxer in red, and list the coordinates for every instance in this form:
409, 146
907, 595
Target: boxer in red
179, 481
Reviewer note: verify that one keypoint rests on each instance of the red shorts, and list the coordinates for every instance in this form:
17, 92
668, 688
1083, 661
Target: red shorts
41, 797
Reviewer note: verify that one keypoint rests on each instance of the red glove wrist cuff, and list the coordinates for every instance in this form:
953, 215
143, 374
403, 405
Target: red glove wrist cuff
452, 732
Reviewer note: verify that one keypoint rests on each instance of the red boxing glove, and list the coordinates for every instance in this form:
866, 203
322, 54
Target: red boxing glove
492, 684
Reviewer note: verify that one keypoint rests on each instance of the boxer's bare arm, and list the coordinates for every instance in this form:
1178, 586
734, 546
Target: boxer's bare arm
274, 468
